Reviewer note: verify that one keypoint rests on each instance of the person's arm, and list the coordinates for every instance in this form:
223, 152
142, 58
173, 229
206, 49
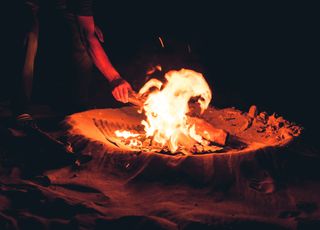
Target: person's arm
120, 87
31, 45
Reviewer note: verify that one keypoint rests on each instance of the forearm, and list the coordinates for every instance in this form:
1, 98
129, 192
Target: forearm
120, 87
94, 48
100, 59
31, 46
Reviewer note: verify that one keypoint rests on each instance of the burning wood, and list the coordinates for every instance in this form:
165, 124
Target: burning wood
208, 132
173, 117
165, 106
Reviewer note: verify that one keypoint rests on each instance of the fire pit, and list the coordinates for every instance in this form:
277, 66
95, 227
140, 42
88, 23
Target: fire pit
207, 145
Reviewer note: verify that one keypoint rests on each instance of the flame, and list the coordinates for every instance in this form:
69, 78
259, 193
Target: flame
129, 138
166, 107
154, 69
134, 143
125, 134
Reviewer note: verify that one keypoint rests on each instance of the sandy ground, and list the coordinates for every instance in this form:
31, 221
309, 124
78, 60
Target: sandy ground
80, 197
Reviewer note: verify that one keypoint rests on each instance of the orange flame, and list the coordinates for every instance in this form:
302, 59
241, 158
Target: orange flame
125, 134
166, 108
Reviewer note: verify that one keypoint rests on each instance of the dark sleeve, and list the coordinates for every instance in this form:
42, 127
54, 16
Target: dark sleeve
83, 7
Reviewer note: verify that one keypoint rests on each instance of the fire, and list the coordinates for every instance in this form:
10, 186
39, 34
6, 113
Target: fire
130, 137
166, 108
167, 125
125, 134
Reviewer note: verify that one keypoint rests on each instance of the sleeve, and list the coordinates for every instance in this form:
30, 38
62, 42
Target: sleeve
83, 7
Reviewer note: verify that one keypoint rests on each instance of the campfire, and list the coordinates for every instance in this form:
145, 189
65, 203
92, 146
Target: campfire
173, 117
171, 123
173, 132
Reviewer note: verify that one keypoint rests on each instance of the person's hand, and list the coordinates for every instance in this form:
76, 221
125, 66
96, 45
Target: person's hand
120, 89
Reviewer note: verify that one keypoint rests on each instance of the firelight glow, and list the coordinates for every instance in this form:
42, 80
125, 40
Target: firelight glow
125, 134
166, 108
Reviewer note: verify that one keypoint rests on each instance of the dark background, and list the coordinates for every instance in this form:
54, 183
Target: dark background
254, 53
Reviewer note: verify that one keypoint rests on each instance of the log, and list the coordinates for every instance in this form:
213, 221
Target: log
207, 131
203, 128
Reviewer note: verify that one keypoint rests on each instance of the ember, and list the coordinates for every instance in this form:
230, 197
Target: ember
165, 106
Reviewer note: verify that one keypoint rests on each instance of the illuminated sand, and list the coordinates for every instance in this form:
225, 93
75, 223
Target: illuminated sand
252, 138
121, 189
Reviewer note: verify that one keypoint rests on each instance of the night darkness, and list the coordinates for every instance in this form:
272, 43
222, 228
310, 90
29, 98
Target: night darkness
263, 54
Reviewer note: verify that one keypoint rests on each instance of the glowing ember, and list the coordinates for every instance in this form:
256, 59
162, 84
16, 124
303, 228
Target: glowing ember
166, 106
125, 134
135, 143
